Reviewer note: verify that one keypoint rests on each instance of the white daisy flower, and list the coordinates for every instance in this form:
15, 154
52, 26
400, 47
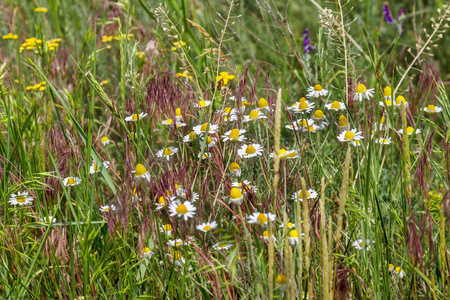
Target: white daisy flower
163, 202
177, 257
222, 246
244, 186
105, 141
316, 91
167, 152
236, 196
107, 208
285, 154
261, 218
399, 101
288, 225
135, 117
356, 143
192, 198
335, 105
387, 93
146, 252
176, 243
234, 135
235, 169
167, 229
254, 115
167, 122
141, 172
205, 155
95, 169
303, 124
71, 181
386, 103
293, 237
185, 210
263, 104
178, 114
210, 141
350, 135
208, 226
431, 109
310, 194
363, 93
304, 106
190, 137
21, 198
359, 244
383, 141
265, 236
49, 219
248, 151
228, 111
202, 103
399, 272
201, 129
410, 130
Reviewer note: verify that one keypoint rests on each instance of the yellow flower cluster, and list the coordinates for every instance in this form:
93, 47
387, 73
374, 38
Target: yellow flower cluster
37, 87
179, 44
41, 9
30, 44
10, 36
110, 38
53, 44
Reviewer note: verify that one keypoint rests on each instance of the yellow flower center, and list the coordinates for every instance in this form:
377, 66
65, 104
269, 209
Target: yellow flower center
383, 141
169, 121
178, 112
96, 168
409, 130
71, 181
135, 117
398, 269
303, 105
191, 135
361, 89
167, 151
105, 139
301, 194
382, 120
318, 87
282, 152
204, 127
234, 134
431, 108
360, 244
177, 255
178, 244
146, 250
303, 123
349, 136
201, 103
235, 193
387, 91
20, 199
281, 279
227, 110
290, 225
222, 245
107, 208
335, 105
266, 233
253, 114
162, 200
343, 121
140, 170
262, 103
234, 166
207, 228
400, 100
318, 114
262, 219
182, 209
167, 227
250, 149
388, 102
391, 266
209, 140
293, 233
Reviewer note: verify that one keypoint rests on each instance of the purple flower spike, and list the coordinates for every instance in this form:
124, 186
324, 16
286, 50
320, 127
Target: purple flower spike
387, 14
307, 42
400, 17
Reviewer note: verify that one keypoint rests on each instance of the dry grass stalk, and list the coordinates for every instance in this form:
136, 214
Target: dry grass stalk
323, 240
330, 258
202, 31
300, 244
406, 156
275, 188
306, 225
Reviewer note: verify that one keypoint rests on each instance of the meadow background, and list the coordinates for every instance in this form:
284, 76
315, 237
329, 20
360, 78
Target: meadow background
88, 82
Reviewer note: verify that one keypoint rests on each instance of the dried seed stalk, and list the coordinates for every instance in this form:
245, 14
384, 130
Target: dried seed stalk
275, 188
306, 225
323, 239
406, 156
